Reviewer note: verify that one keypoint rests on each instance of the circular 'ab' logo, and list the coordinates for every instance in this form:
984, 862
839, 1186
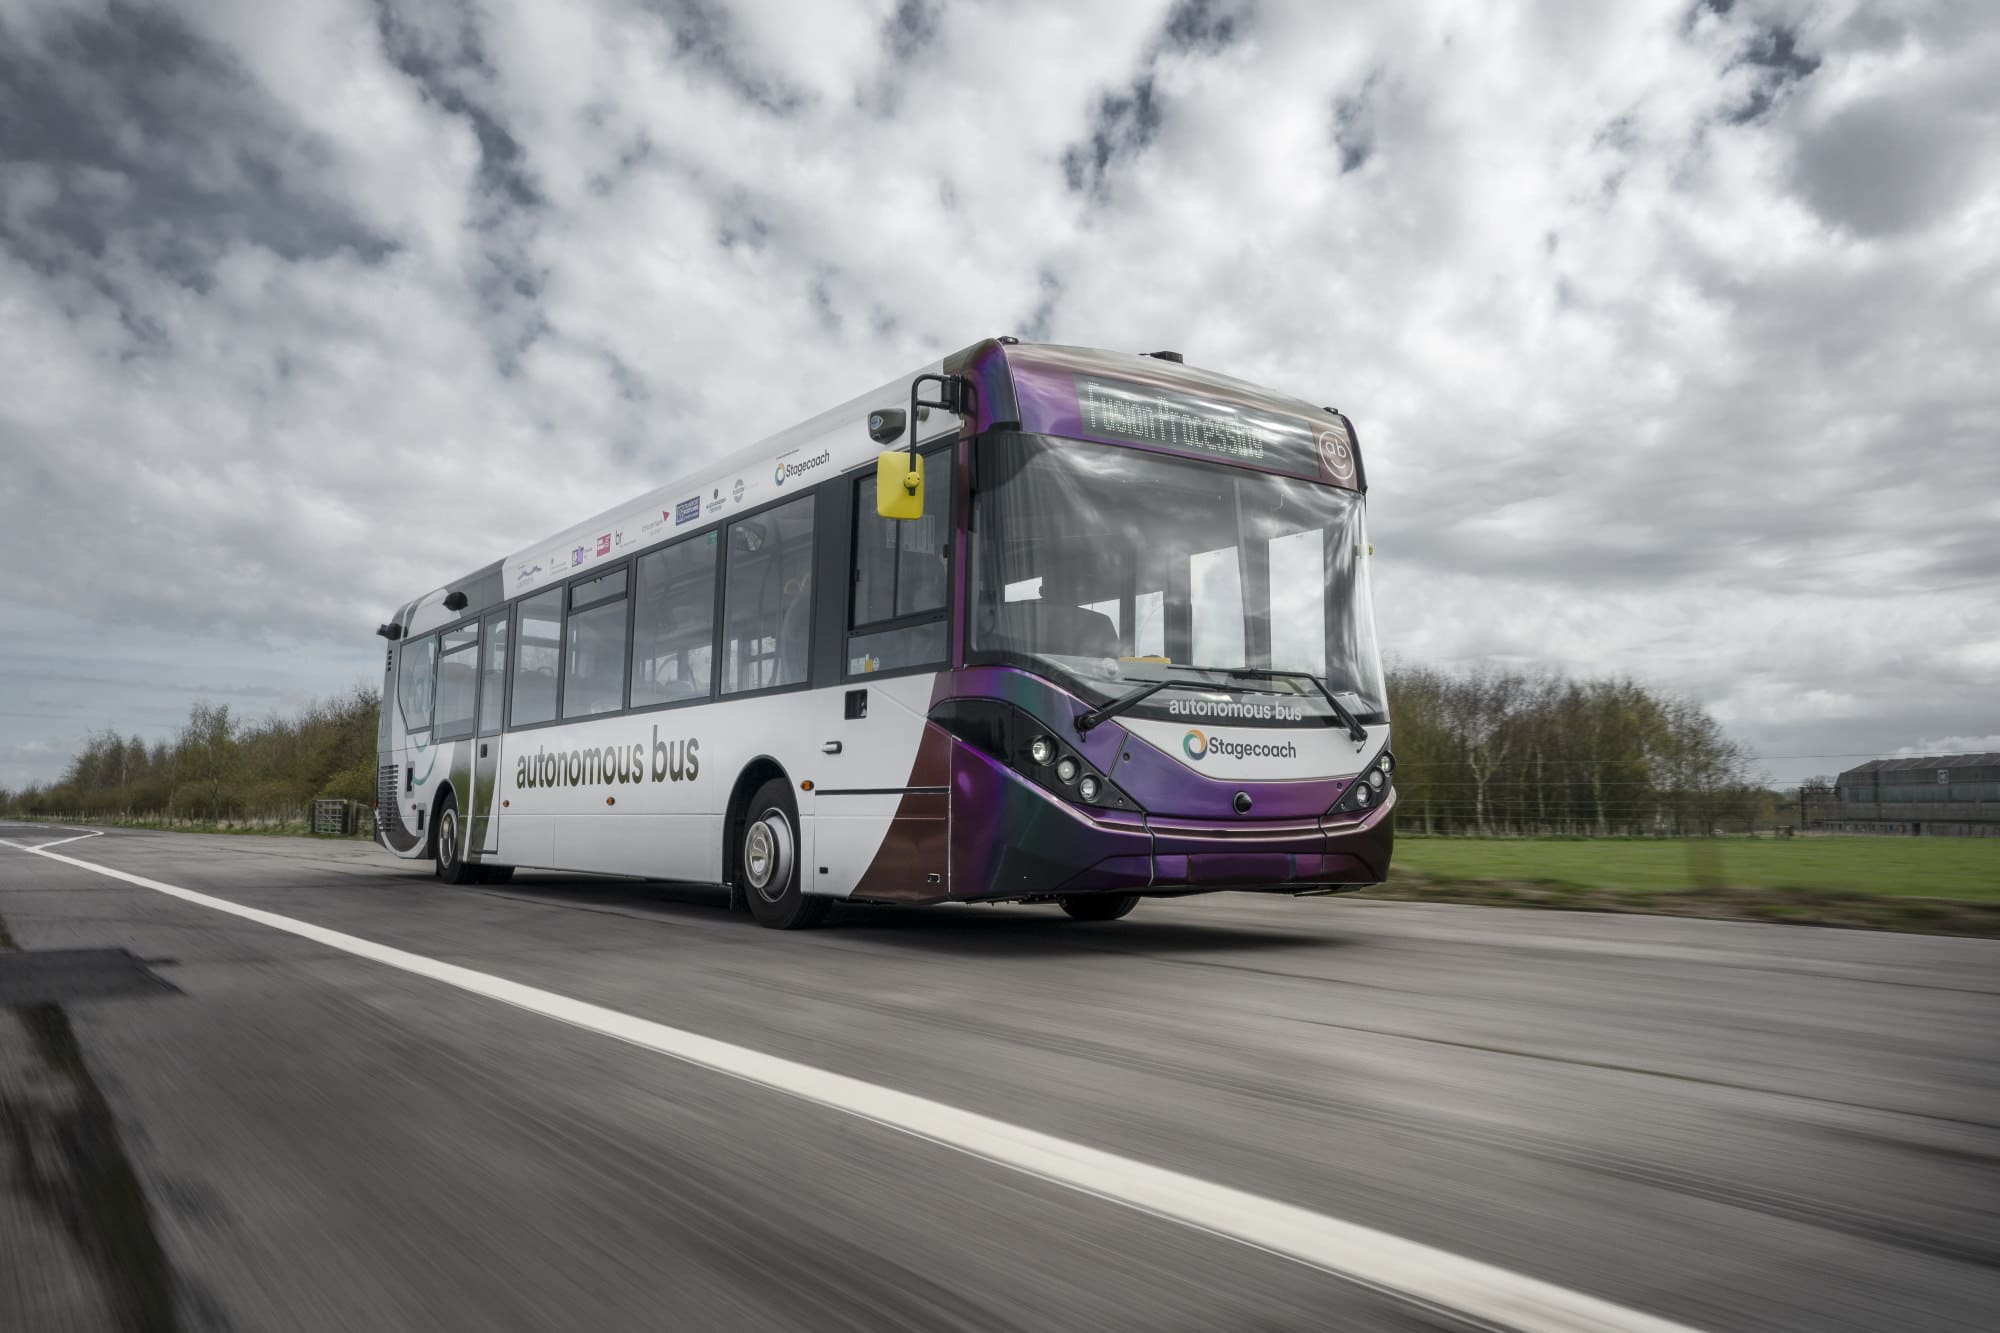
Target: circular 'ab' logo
778, 475
1195, 744
1336, 453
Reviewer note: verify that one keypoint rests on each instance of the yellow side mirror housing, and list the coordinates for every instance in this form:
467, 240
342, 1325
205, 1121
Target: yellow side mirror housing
899, 484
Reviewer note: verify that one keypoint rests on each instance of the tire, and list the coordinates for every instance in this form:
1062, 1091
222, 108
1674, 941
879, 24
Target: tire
448, 846
766, 862
1098, 906
495, 874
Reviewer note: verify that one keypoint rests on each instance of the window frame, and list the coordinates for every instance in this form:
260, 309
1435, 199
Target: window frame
515, 640
715, 589
863, 482
571, 587
462, 731
487, 727
402, 660
809, 496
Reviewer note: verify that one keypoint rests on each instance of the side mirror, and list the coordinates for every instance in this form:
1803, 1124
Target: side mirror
899, 484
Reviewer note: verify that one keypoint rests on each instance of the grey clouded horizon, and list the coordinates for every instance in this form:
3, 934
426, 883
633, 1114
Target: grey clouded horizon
1670, 330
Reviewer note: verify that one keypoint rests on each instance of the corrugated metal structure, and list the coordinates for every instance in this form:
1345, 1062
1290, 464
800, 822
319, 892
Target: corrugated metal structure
1947, 795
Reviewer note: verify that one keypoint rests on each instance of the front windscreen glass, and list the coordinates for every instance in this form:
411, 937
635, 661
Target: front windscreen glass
1112, 568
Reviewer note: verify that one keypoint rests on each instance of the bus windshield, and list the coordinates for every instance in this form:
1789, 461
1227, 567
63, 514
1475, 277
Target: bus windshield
1115, 567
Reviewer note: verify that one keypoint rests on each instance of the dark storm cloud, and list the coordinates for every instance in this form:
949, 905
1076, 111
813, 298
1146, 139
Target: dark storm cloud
702, 34
1126, 122
125, 130
1892, 163
438, 48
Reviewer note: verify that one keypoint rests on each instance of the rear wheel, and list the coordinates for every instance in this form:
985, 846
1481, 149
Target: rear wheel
766, 859
1098, 906
449, 846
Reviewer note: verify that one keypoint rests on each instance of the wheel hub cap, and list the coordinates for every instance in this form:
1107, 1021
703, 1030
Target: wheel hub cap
767, 856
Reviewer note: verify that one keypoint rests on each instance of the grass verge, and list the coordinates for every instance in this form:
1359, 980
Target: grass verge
1932, 885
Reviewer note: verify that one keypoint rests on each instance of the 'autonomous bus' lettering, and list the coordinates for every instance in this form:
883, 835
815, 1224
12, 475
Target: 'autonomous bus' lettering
589, 766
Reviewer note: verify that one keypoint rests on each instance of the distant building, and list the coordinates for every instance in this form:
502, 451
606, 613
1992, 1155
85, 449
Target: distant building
1939, 796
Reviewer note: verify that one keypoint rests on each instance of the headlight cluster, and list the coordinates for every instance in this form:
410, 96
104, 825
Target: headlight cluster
1369, 790
1030, 749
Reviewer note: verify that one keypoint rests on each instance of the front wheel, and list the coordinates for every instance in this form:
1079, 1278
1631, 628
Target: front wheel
1098, 906
450, 847
767, 862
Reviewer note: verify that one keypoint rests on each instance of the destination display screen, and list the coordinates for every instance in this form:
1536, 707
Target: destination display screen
1193, 424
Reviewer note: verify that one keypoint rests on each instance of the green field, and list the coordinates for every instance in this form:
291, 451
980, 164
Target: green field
1965, 869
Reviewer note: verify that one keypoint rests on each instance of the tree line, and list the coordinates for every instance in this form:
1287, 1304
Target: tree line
219, 768
1496, 751
1480, 751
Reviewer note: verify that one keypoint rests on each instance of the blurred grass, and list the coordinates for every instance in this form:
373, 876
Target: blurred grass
1967, 869
1939, 885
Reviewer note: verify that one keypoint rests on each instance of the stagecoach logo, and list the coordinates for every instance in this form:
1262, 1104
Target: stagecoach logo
668, 761
737, 491
1336, 453
1198, 744
686, 511
785, 471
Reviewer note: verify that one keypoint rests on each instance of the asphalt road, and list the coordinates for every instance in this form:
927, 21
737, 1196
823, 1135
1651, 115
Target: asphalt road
1729, 1125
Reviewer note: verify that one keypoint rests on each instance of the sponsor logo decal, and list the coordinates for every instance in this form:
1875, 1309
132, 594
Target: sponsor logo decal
1336, 453
737, 492
786, 471
577, 556
604, 544
1198, 744
598, 765
526, 572
687, 511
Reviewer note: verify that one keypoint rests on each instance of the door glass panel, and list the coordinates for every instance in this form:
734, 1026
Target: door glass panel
493, 677
537, 656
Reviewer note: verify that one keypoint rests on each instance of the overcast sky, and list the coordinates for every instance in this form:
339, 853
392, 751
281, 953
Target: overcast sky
1671, 331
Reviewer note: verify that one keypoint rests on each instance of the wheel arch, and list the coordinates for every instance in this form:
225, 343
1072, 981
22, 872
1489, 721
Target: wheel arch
444, 789
754, 774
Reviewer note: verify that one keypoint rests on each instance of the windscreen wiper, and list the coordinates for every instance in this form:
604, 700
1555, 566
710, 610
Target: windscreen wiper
1355, 731
1132, 699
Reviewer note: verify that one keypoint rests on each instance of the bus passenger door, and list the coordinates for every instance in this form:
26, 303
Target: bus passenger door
484, 806
882, 809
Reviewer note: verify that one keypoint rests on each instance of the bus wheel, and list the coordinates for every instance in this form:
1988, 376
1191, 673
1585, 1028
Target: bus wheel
1098, 906
451, 866
767, 862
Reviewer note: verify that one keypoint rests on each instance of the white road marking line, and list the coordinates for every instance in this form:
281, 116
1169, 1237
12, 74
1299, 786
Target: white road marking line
44, 846
1402, 1268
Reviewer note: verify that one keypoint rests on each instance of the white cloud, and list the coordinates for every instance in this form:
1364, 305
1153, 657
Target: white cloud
1669, 332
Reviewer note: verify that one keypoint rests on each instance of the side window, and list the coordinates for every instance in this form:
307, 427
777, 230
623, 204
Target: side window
767, 599
416, 682
673, 623
594, 661
902, 578
537, 654
493, 676
458, 681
